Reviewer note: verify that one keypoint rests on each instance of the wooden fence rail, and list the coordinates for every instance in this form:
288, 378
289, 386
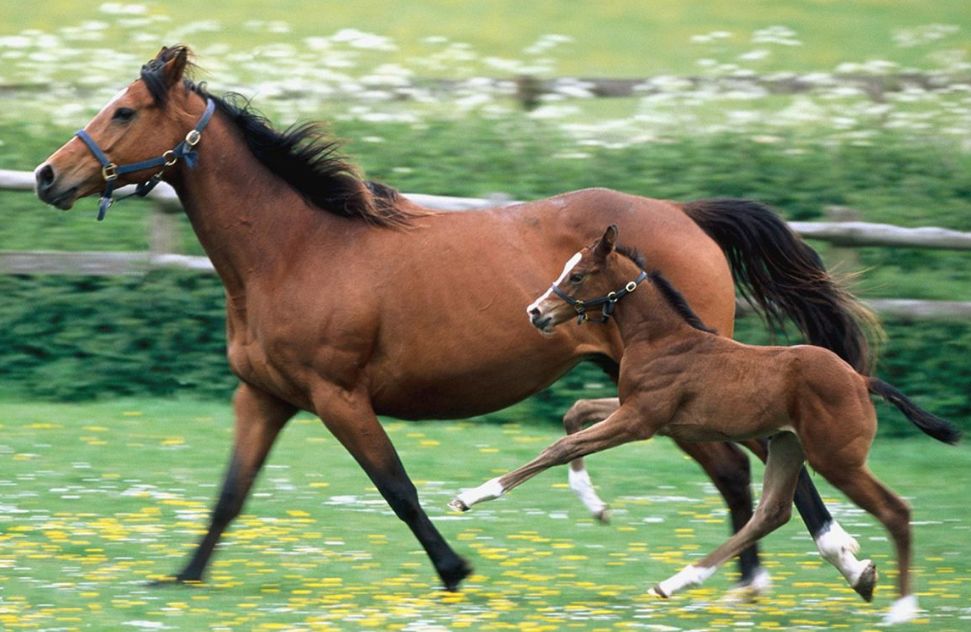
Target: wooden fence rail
166, 203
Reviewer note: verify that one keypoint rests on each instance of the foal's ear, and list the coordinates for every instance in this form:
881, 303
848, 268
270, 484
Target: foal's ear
606, 244
174, 61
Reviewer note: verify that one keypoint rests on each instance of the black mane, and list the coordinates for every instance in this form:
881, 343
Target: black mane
302, 155
673, 297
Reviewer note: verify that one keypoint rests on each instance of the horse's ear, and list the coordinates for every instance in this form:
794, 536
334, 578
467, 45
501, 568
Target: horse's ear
609, 240
174, 61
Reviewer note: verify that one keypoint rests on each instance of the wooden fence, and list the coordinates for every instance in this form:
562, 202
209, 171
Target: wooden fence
162, 231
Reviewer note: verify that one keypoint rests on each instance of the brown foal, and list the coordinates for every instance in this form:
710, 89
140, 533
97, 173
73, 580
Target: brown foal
680, 380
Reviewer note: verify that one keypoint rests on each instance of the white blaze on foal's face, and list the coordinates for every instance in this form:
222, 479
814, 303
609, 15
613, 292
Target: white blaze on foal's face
567, 269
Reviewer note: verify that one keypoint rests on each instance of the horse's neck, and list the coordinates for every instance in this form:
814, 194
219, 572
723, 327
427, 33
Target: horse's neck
246, 218
645, 315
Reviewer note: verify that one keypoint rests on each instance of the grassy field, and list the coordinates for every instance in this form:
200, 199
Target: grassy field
96, 500
624, 38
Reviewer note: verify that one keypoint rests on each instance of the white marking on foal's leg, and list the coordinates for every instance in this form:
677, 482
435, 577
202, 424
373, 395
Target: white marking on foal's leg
903, 610
839, 548
582, 486
489, 490
574, 260
747, 591
687, 576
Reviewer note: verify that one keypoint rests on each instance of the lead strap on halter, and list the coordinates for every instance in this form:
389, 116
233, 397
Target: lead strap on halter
607, 302
185, 150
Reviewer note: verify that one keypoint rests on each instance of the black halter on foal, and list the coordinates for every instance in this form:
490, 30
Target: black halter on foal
110, 171
607, 301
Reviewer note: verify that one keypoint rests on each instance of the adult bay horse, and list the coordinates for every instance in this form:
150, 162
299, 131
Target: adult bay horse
680, 380
327, 311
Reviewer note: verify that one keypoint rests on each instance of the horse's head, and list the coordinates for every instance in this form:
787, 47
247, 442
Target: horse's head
584, 275
133, 138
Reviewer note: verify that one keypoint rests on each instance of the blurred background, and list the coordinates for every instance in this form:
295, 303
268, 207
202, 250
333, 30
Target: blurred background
114, 414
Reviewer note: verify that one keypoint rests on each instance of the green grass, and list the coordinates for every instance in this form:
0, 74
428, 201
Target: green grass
98, 499
620, 38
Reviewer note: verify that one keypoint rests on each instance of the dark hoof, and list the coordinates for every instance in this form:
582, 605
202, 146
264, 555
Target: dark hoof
657, 592
458, 505
453, 577
174, 581
603, 516
867, 582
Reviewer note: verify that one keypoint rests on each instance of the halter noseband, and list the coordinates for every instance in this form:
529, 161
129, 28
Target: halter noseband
607, 301
110, 171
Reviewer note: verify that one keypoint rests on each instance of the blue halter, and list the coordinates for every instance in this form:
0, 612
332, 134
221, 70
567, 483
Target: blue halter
608, 302
185, 150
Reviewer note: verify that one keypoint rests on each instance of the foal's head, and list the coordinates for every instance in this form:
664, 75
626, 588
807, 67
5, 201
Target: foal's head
588, 281
142, 122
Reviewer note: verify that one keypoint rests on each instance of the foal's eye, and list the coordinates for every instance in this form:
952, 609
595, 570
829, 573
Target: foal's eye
123, 115
576, 278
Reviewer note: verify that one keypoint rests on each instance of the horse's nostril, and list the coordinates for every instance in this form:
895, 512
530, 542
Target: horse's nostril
45, 177
534, 312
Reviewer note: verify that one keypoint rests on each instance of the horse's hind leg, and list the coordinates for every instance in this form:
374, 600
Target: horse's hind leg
259, 419
781, 473
872, 496
836, 546
582, 413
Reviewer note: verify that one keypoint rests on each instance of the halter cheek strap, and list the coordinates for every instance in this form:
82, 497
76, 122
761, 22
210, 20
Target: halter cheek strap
607, 302
185, 150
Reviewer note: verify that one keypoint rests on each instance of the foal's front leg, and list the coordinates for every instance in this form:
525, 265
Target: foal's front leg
623, 426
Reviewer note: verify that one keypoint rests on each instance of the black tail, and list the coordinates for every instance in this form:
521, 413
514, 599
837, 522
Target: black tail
940, 429
780, 275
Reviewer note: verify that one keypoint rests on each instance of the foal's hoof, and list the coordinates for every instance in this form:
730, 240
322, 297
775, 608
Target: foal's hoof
603, 516
458, 505
867, 582
749, 590
452, 577
655, 591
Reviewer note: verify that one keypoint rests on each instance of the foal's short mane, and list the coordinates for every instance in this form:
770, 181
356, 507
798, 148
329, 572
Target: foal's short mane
673, 297
302, 155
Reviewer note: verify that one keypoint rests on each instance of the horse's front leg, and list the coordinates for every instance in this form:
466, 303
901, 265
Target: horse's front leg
581, 414
259, 419
351, 419
623, 426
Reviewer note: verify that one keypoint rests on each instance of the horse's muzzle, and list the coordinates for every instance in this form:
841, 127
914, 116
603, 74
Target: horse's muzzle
48, 191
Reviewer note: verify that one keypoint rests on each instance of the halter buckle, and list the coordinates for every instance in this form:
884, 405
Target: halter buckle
612, 297
193, 137
631, 286
109, 172
170, 158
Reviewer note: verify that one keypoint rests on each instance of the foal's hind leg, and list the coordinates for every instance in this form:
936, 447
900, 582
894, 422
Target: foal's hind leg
872, 496
775, 507
582, 413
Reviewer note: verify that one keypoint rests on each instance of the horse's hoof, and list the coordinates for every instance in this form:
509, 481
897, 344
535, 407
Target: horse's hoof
174, 581
656, 591
903, 610
453, 577
458, 505
867, 582
603, 516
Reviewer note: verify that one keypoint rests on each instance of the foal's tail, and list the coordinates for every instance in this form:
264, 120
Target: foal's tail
940, 429
777, 272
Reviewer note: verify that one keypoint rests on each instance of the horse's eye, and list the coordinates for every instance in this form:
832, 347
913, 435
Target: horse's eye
576, 278
123, 115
